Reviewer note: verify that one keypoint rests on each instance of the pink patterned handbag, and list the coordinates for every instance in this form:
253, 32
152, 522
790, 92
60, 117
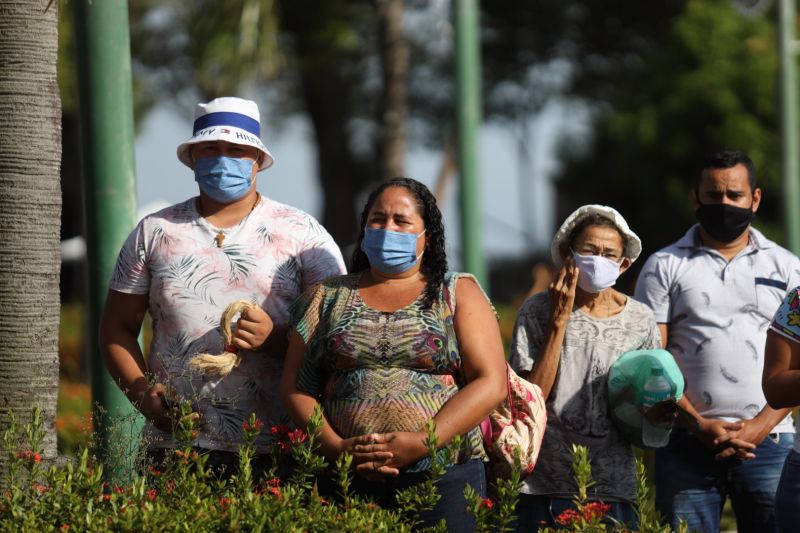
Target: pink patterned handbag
515, 427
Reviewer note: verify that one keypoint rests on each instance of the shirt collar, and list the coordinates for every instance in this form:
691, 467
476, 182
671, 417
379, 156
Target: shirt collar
692, 239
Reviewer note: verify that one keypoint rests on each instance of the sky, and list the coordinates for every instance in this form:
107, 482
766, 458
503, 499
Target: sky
515, 219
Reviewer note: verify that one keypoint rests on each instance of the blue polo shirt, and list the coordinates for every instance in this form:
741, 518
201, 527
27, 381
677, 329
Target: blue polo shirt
718, 313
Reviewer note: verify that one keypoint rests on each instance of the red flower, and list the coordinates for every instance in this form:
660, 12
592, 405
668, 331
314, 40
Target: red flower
224, 502
274, 482
323, 501
41, 489
117, 489
280, 431
151, 494
64, 527
29, 456
297, 436
257, 426
487, 503
568, 517
153, 470
275, 491
595, 510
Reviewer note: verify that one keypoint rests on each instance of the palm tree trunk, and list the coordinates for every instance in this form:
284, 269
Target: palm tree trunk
394, 50
30, 212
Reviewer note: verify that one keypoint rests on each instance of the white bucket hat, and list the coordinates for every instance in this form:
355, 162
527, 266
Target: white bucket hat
230, 119
632, 249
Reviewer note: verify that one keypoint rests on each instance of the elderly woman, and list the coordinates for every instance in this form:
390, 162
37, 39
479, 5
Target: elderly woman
385, 348
565, 340
781, 384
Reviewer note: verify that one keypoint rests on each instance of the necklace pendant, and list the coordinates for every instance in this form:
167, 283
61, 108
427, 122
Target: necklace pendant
219, 239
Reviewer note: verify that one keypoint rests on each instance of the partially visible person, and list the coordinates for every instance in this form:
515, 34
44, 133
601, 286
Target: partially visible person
185, 264
781, 383
393, 344
713, 293
565, 341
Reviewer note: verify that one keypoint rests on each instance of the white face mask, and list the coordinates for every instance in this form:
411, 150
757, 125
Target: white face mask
595, 272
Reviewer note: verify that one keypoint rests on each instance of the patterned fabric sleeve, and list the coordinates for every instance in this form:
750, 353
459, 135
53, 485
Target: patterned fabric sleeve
787, 319
526, 340
320, 257
306, 317
131, 274
653, 339
652, 288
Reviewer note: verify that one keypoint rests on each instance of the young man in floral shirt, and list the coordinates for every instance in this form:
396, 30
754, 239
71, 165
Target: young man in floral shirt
186, 263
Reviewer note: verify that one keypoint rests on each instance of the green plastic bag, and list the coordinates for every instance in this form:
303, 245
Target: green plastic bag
627, 378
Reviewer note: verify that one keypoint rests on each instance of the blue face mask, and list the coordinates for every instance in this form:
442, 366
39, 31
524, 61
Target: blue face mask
224, 179
391, 252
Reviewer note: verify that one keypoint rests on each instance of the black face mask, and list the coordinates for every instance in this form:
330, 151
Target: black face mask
722, 221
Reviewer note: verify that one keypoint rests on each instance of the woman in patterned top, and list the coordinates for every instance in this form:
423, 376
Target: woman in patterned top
565, 340
385, 348
781, 384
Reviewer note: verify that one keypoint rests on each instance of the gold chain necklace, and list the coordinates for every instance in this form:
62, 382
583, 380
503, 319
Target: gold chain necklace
220, 236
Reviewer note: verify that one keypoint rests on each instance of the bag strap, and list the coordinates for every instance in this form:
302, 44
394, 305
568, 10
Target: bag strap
449, 290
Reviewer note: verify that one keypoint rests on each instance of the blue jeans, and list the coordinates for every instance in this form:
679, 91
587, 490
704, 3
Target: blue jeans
451, 506
691, 485
787, 499
534, 512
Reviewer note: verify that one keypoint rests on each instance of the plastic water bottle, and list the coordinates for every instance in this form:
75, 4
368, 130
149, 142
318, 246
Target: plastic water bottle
656, 389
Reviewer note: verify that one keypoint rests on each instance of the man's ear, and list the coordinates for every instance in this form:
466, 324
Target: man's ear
625, 264
694, 198
756, 199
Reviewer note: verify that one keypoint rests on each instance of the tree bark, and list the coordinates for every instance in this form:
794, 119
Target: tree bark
338, 171
30, 213
394, 51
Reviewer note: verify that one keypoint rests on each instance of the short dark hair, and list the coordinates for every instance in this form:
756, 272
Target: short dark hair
434, 260
727, 159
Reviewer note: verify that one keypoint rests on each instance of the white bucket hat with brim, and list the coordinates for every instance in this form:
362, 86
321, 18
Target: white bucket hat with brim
633, 247
230, 119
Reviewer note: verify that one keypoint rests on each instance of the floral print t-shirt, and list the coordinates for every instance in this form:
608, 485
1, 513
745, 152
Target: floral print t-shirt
376, 371
191, 275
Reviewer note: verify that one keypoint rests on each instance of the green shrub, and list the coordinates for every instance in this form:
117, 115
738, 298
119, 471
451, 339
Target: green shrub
185, 496
590, 516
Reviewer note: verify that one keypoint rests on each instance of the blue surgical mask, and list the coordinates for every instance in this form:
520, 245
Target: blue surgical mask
224, 179
391, 252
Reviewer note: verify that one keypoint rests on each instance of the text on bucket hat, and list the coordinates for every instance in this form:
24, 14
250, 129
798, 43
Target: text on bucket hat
633, 246
230, 119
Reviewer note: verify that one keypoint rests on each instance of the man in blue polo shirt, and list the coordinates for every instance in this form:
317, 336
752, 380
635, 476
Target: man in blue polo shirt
713, 294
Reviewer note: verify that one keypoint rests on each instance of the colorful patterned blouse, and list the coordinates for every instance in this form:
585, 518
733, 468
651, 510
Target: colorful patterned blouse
175, 257
787, 317
786, 322
378, 371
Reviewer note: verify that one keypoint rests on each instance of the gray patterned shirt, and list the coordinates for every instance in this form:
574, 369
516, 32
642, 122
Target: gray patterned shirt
718, 312
577, 409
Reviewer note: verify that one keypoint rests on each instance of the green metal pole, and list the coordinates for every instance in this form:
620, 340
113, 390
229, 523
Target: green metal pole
107, 135
468, 98
789, 124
